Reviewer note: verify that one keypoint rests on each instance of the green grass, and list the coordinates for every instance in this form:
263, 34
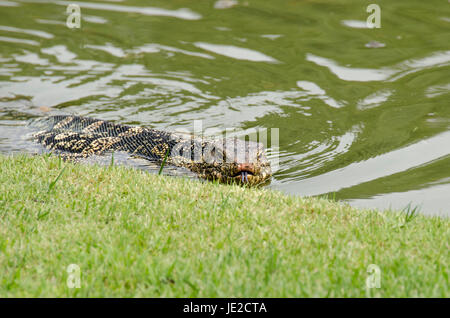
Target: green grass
135, 234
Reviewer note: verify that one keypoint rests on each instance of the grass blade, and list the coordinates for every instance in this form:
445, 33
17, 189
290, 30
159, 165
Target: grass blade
164, 162
112, 159
52, 184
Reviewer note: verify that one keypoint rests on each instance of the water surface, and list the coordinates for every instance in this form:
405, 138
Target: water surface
363, 114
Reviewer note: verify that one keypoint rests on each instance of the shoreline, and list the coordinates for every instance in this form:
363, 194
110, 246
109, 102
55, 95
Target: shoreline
136, 234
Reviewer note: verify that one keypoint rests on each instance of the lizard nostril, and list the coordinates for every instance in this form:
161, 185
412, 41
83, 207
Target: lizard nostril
248, 167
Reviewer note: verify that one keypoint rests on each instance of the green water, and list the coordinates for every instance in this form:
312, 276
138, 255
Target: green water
363, 114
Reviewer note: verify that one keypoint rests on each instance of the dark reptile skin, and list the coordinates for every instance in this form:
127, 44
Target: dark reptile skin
79, 137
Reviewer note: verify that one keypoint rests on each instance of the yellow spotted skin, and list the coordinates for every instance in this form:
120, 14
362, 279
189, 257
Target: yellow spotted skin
223, 160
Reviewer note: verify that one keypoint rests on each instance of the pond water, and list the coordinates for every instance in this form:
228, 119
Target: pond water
362, 113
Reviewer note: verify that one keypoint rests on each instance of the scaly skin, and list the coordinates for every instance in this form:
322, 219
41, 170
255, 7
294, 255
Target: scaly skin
226, 160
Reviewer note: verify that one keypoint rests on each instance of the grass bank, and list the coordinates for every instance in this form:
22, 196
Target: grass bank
134, 234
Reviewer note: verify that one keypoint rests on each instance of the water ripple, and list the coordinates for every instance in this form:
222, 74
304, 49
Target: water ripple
235, 52
437, 59
383, 165
182, 13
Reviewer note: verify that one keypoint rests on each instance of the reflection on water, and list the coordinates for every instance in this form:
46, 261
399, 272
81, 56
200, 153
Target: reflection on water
235, 52
362, 112
41, 34
364, 74
356, 24
182, 13
377, 167
374, 100
8, 4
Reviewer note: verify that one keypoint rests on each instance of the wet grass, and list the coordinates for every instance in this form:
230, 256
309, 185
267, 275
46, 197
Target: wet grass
136, 234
